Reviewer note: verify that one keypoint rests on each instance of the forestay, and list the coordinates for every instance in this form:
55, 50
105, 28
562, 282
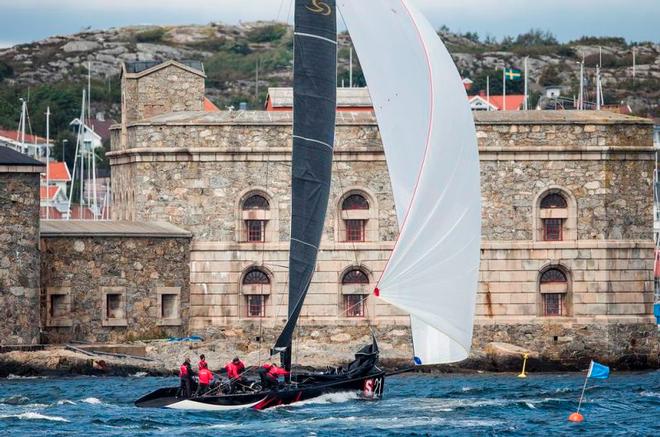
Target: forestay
430, 144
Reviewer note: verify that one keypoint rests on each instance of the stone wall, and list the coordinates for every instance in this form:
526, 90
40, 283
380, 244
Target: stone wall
19, 257
80, 271
169, 88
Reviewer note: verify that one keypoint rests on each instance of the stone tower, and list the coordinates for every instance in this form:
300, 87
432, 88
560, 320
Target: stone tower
153, 88
19, 247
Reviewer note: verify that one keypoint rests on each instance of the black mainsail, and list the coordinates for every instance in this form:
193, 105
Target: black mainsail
314, 111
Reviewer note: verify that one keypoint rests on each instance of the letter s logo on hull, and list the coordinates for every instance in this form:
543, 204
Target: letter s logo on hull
320, 7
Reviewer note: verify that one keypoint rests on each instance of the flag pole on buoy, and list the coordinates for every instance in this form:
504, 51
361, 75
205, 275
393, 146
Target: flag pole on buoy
596, 371
522, 373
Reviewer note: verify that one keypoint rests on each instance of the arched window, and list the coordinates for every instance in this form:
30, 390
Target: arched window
355, 277
256, 287
256, 202
553, 215
255, 218
355, 201
553, 200
553, 285
355, 211
256, 277
354, 292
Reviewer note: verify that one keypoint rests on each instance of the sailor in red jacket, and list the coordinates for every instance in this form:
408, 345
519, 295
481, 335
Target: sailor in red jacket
185, 379
234, 369
202, 362
269, 373
205, 377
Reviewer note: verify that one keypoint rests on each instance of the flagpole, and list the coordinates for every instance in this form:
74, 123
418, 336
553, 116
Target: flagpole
503, 88
488, 92
584, 387
526, 97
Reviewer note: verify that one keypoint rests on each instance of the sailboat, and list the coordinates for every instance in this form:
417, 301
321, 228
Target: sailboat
430, 145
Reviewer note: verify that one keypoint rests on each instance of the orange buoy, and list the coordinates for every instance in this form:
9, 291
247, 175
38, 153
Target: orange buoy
576, 417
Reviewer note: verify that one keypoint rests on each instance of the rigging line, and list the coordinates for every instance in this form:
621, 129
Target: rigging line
288, 14
279, 11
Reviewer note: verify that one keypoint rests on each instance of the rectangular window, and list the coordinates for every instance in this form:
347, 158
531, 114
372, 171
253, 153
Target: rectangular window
553, 304
168, 306
256, 230
355, 230
552, 229
114, 309
58, 306
256, 305
354, 305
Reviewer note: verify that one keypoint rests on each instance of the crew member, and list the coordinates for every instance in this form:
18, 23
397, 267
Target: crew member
202, 362
205, 378
234, 369
185, 379
269, 373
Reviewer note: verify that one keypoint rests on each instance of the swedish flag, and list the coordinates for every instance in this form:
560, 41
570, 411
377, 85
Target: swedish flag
512, 74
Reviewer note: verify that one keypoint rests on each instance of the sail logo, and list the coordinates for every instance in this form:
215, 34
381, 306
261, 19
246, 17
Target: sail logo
319, 7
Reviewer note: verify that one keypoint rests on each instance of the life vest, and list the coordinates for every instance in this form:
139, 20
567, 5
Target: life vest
277, 371
205, 376
183, 371
234, 370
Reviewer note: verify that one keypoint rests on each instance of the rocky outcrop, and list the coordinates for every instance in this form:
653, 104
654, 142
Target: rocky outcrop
65, 58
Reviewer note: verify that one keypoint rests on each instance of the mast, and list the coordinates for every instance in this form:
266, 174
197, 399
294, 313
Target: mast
525, 104
47, 161
314, 113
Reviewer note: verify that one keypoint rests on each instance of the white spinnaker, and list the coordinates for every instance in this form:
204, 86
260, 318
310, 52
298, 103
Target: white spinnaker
430, 144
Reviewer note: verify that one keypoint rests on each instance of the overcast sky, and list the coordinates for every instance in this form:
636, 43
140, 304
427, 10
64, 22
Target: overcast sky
636, 20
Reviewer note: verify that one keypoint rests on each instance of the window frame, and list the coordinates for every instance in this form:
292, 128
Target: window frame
351, 231
249, 305
559, 223
249, 231
354, 309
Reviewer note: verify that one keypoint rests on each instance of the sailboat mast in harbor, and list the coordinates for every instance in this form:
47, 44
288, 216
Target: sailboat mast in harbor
314, 113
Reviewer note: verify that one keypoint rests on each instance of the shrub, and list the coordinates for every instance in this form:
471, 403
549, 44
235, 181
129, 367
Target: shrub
5, 71
151, 35
268, 33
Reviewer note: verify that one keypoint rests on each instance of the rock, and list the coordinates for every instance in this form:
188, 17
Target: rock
497, 349
340, 338
80, 46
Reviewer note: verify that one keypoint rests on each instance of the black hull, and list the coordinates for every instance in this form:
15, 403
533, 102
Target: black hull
370, 386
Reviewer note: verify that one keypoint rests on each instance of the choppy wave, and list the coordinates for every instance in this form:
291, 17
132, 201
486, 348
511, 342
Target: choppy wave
12, 376
65, 402
31, 415
93, 401
139, 375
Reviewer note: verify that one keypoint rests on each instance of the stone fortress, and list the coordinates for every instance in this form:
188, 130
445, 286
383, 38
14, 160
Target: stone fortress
199, 239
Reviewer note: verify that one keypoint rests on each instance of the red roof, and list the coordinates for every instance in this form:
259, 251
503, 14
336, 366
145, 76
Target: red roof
50, 194
209, 106
16, 136
514, 102
57, 171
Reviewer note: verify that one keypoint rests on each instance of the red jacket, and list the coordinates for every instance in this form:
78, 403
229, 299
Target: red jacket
205, 376
234, 370
202, 364
275, 371
183, 371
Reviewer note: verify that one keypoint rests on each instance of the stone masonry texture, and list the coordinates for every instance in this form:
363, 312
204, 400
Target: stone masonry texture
83, 267
193, 168
19, 258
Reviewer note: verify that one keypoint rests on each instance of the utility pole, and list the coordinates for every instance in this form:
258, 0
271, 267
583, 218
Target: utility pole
598, 102
634, 66
580, 102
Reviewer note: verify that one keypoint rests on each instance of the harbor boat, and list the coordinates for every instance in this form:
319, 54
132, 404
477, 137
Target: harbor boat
429, 140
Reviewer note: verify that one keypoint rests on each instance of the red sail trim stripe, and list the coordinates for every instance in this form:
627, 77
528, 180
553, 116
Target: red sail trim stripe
426, 149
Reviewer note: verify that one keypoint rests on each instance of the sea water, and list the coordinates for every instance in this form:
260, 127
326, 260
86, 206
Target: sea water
413, 405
